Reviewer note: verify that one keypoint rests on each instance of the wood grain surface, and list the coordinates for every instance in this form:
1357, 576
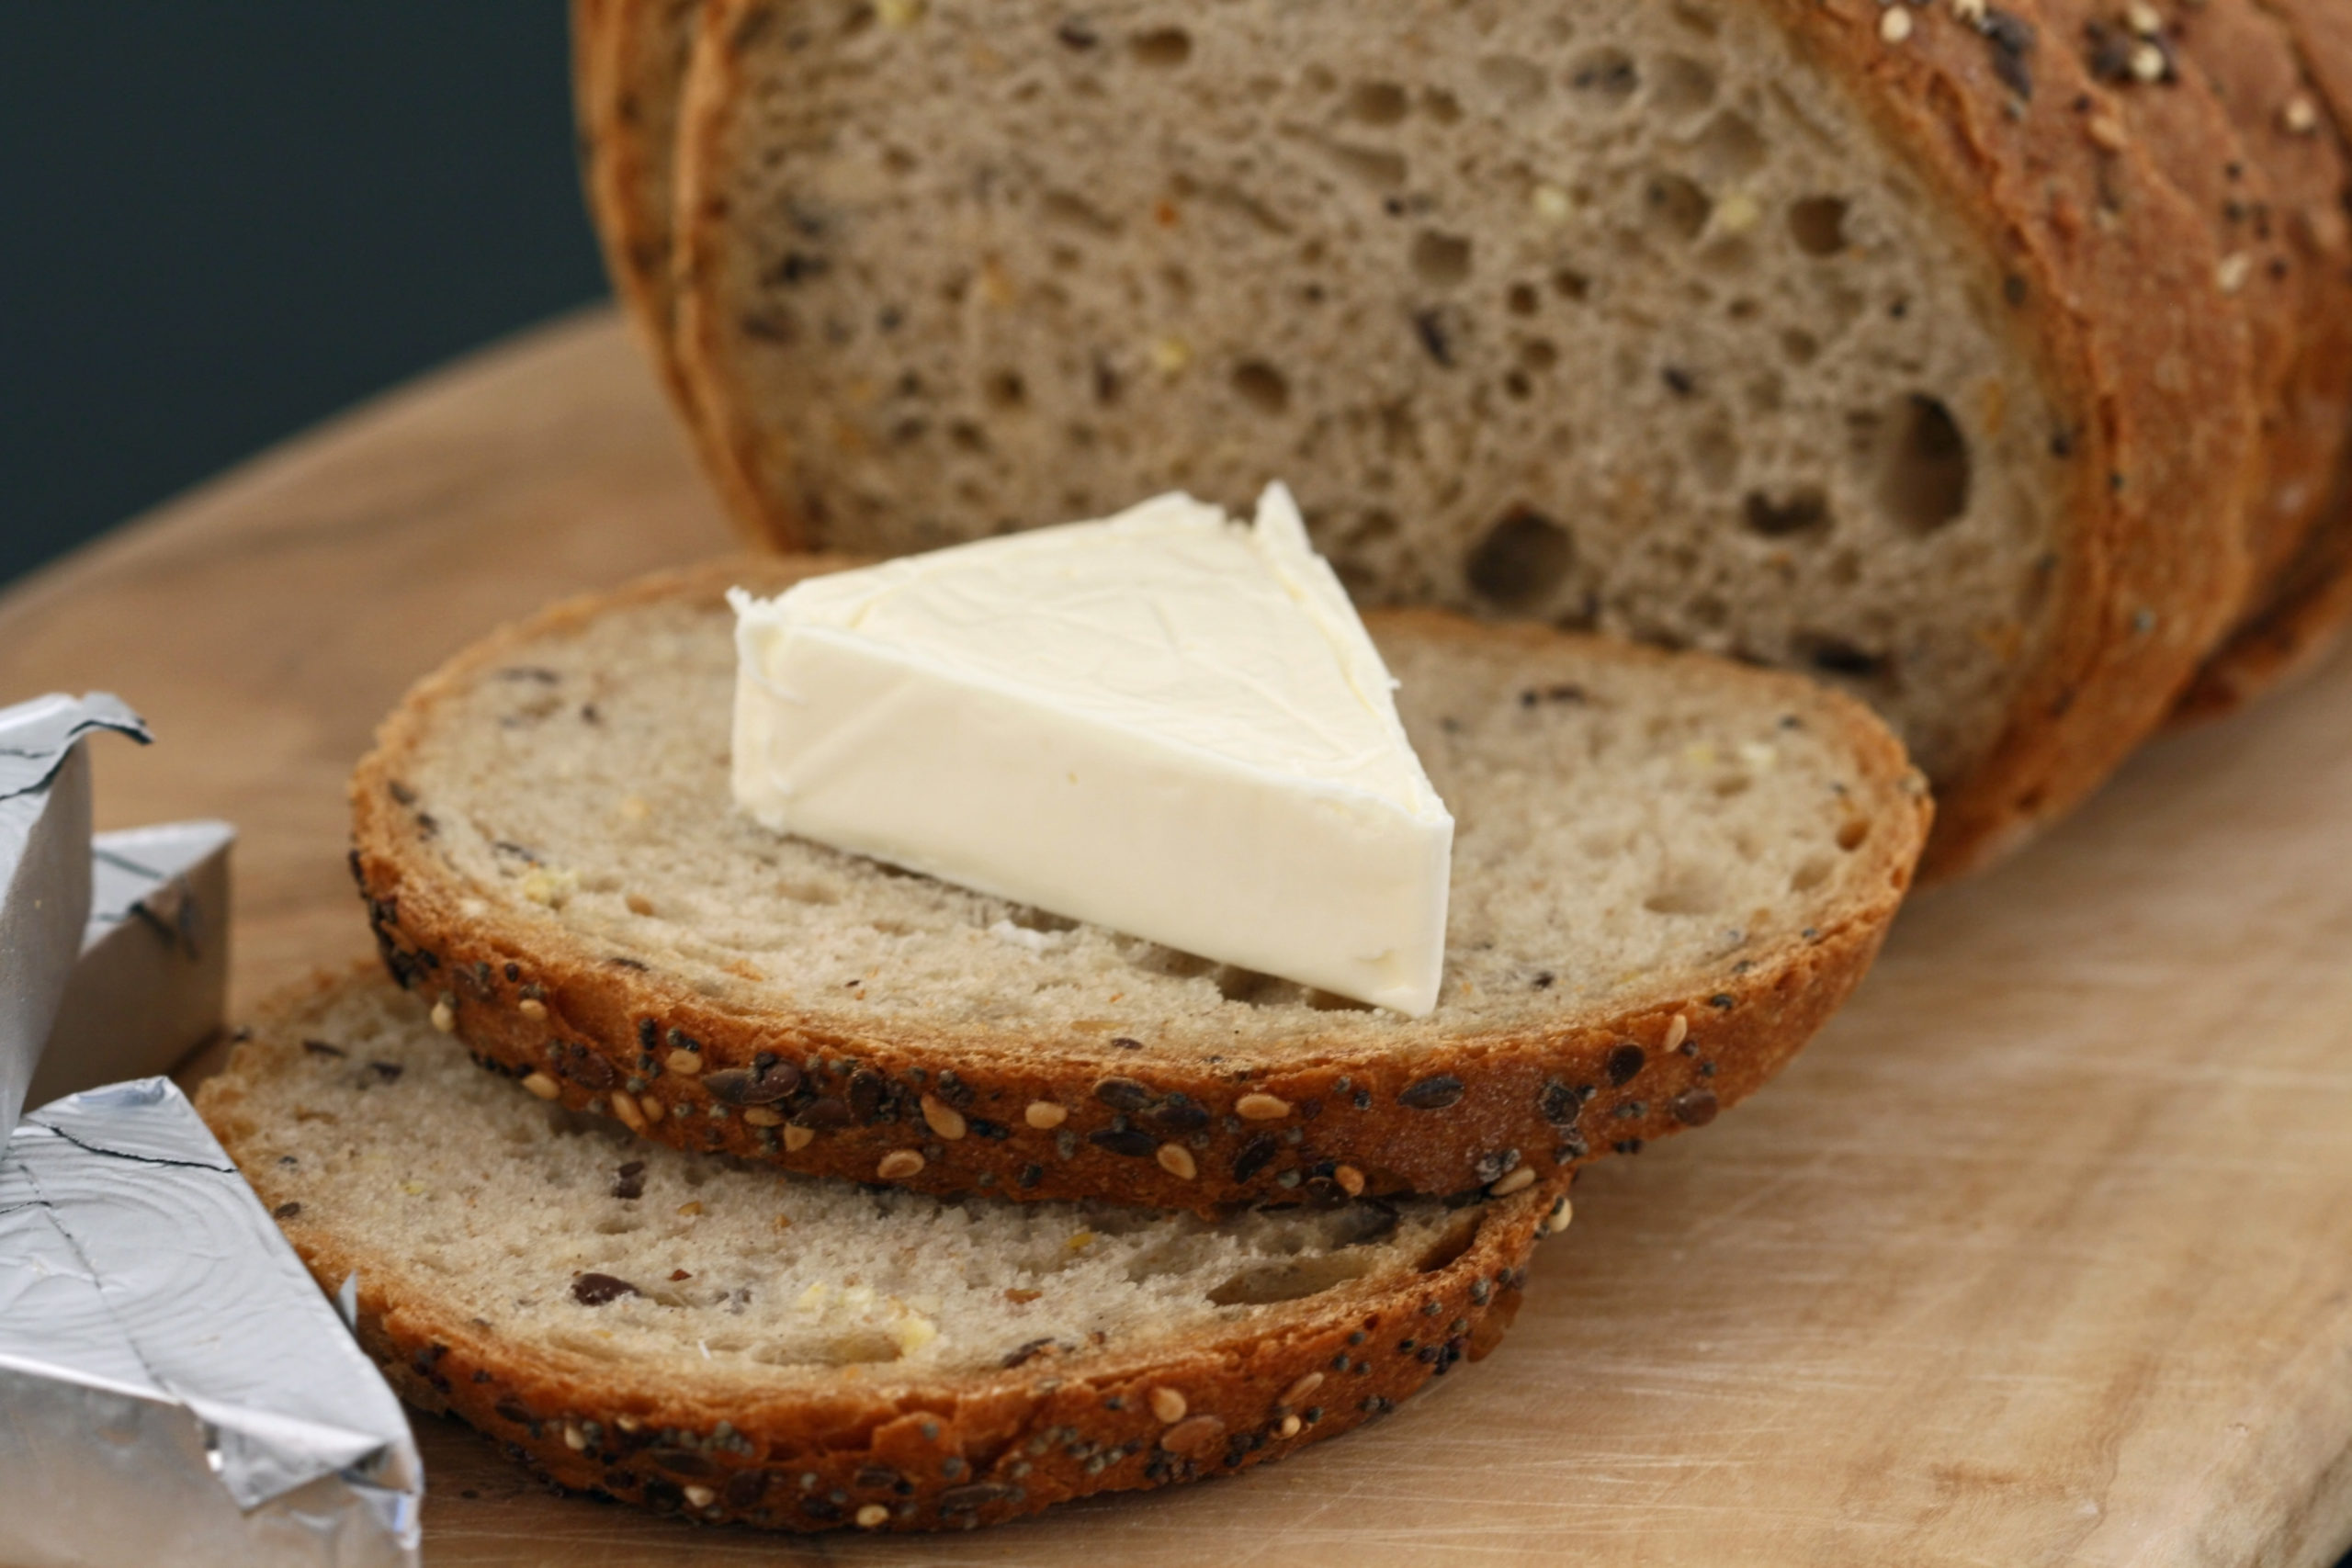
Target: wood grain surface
2042, 1253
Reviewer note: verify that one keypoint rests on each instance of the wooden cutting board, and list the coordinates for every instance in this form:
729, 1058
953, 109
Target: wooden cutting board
2041, 1253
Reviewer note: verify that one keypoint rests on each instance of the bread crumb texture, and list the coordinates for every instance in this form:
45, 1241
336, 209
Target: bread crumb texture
1613, 316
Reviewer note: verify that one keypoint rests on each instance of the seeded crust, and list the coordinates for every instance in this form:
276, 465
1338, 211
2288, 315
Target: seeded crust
629, 57
334, 1086
2304, 607
2134, 344
1534, 1061
2192, 134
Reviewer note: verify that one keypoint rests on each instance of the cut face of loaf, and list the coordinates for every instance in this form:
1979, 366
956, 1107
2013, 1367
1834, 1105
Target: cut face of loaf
1668, 871
805, 1353
1647, 318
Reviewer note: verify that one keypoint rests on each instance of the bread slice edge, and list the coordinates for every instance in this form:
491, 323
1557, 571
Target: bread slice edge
942, 1452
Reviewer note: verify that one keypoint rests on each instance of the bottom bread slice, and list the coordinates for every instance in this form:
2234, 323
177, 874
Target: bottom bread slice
734, 1343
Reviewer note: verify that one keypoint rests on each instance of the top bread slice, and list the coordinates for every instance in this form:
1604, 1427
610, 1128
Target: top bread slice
1668, 871
734, 1345
1745, 325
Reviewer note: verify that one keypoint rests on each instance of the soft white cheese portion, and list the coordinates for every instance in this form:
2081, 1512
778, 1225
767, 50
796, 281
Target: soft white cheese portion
1166, 723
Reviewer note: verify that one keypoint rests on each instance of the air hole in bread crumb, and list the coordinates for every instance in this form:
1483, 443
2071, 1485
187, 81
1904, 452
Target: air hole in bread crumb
1441, 259
1173, 963
1569, 284
1799, 346
1818, 223
1521, 561
1852, 832
1925, 482
1731, 146
1677, 206
1810, 874
1262, 387
1291, 1281
858, 1347
1681, 85
1687, 893
1800, 512
1074, 211
1440, 106
1236, 983
1726, 257
1522, 299
1835, 656
1449, 1246
1006, 389
1604, 77
1162, 47
1378, 167
1537, 353
1517, 82
1378, 103
1714, 454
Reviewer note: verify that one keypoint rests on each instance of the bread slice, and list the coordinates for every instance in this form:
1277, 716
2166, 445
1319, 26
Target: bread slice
629, 62
1668, 871
1729, 324
2160, 80
807, 1354
2305, 122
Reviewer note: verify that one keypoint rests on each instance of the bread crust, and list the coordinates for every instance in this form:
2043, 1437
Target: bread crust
940, 1452
2200, 125
2113, 277
532, 1003
2305, 604
628, 58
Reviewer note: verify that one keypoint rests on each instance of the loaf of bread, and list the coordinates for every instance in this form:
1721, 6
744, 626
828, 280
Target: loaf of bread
1668, 871
805, 1353
1747, 327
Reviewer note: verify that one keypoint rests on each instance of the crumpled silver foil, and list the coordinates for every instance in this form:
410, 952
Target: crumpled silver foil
153, 979
44, 868
173, 1387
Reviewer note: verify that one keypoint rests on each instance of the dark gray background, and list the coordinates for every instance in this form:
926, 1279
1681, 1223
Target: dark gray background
223, 222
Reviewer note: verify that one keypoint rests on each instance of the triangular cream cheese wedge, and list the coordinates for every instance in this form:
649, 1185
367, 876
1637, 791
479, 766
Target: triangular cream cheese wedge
1166, 723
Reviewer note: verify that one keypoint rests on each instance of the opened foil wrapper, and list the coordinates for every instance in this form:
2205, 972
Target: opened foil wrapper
153, 980
44, 869
173, 1387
